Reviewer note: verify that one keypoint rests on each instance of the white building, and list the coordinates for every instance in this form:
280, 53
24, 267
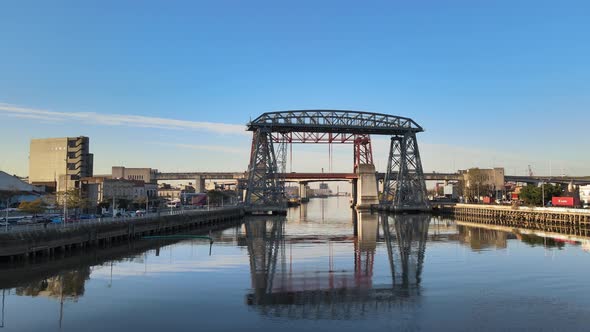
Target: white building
585, 195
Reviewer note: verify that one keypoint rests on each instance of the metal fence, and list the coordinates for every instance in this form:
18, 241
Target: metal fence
31, 227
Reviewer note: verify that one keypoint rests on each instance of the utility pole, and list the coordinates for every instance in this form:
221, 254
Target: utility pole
6, 219
543, 191
65, 193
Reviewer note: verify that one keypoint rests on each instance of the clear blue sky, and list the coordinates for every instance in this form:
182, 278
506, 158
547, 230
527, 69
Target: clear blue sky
503, 83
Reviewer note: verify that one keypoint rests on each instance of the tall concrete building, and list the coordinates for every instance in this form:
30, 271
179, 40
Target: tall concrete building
57, 162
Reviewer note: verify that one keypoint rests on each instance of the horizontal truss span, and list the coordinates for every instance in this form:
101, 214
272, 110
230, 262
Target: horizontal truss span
334, 121
316, 137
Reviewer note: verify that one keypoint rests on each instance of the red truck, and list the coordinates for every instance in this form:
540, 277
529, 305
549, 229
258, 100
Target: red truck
565, 201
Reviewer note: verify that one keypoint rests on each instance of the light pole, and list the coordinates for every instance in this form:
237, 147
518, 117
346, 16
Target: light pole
543, 193
65, 193
182, 198
6, 219
3, 297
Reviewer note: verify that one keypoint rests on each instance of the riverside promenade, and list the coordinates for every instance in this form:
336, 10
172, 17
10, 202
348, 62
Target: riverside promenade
47, 241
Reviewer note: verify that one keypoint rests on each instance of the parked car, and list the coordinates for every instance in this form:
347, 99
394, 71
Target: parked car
10, 210
43, 220
58, 220
27, 220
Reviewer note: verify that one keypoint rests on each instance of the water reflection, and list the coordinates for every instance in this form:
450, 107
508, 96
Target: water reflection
67, 285
409, 233
478, 238
280, 289
330, 266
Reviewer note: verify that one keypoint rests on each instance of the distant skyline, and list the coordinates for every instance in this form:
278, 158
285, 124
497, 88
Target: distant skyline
171, 85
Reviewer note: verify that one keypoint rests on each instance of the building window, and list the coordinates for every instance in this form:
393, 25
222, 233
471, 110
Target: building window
71, 166
71, 154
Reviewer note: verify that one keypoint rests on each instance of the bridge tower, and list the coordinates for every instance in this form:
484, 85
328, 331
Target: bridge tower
366, 186
404, 187
265, 188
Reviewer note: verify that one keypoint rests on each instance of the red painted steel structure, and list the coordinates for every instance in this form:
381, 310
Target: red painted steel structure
363, 149
320, 176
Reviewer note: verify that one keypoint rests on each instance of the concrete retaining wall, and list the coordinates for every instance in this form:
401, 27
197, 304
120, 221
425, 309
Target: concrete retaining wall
46, 241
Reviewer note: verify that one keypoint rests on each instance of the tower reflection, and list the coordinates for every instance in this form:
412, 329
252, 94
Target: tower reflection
283, 285
409, 233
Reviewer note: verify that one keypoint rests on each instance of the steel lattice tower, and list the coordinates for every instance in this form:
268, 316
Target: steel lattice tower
265, 188
404, 187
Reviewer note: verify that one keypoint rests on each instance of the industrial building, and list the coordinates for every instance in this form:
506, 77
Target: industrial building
60, 163
147, 175
102, 188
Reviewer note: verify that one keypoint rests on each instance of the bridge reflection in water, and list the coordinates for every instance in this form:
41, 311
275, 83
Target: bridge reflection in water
279, 290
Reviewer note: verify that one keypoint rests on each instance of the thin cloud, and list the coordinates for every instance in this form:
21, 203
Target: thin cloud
214, 148
123, 120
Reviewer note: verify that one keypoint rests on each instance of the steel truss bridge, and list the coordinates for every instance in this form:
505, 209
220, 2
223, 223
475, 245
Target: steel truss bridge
404, 185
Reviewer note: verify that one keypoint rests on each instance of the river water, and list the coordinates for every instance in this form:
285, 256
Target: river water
323, 268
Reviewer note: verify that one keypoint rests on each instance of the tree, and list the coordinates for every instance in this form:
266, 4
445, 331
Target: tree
139, 203
533, 195
105, 204
122, 203
73, 198
34, 207
476, 184
216, 197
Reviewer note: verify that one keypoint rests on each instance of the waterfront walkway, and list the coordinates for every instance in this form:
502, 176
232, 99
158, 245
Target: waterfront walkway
33, 227
40, 240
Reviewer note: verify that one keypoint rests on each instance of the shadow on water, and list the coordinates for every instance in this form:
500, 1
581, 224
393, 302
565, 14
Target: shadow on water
280, 291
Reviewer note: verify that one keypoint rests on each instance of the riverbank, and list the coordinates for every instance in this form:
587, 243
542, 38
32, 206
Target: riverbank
574, 221
49, 242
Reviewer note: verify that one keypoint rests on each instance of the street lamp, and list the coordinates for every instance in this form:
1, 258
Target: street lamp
543, 193
65, 193
6, 219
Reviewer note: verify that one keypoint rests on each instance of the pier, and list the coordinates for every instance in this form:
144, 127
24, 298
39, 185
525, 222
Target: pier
558, 220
